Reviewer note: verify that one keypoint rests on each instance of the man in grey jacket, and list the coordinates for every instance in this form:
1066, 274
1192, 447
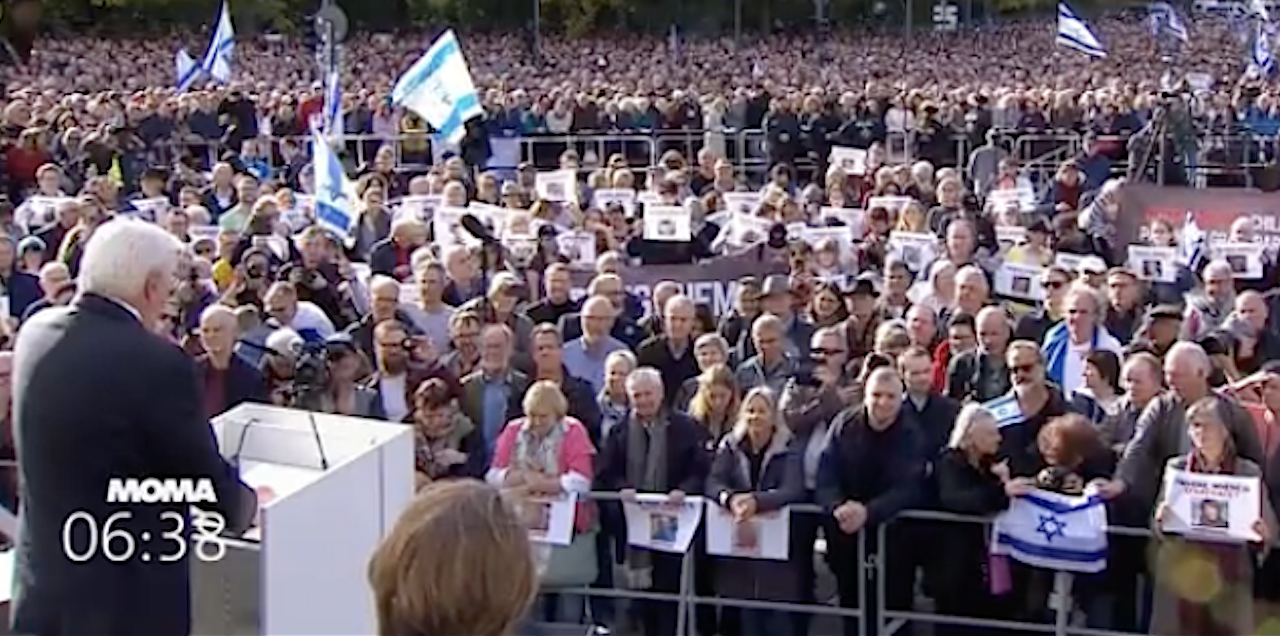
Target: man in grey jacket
1162, 427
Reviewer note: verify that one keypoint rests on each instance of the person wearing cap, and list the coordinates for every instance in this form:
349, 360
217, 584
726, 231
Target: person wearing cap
31, 252
777, 299
344, 394
498, 307
860, 327
1124, 304
1159, 330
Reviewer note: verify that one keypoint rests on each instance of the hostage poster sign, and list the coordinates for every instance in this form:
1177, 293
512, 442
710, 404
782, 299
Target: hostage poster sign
1209, 507
1213, 209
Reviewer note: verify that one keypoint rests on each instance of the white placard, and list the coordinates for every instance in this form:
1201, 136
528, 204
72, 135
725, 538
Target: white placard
850, 160
150, 209
38, 210
1069, 262
917, 249
203, 232
419, 206
1019, 281
893, 204
656, 524
743, 202
648, 198
276, 245
447, 226
855, 218
560, 186
1010, 235
578, 247
549, 519
795, 231
743, 230
842, 235
1158, 264
494, 217
622, 196
1022, 199
667, 223
1245, 259
764, 536
1220, 508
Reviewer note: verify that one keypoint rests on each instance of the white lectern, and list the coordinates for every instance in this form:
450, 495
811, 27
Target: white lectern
303, 570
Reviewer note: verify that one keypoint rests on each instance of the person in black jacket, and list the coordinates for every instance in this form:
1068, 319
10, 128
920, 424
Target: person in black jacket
655, 451
548, 364
98, 396
872, 469
227, 379
970, 482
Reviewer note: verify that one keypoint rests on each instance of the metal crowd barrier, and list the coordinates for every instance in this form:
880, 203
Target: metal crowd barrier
882, 621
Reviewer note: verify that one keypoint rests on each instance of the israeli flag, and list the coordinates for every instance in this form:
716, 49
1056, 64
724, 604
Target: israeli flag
187, 69
333, 125
438, 88
1193, 242
1163, 18
1057, 532
1005, 410
1075, 34
1262, 61
1258, 8
334, 203
217, 58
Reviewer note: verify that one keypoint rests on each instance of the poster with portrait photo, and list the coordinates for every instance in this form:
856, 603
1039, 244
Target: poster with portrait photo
668, 223
1019, 199
625, 197
843, 237
1018, 281
419, 206
446, 227
1010, 235
853, 218
853, 161
1209, 507
549, 519
741, 231
917, 249
656, 524
764, 536
1069, 262
893, 204
1157, 264
1246, 259
560, 186
152, 209
37, 211
743, 202
578, 247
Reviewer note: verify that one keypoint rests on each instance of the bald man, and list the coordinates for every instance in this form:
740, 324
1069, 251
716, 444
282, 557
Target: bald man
227, 379
671, 351
872, 469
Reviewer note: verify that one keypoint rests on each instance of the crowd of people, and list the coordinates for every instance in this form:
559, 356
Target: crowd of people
847, 374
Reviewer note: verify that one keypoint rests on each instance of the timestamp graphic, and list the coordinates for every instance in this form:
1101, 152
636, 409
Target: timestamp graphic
84, 537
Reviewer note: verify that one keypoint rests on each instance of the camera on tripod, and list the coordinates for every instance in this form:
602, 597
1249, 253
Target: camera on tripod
310, 376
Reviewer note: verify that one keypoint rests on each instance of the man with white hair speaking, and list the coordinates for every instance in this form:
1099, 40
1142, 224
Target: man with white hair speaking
98, 396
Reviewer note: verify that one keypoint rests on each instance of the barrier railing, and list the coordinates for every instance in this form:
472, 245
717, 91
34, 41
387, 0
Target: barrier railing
874, 620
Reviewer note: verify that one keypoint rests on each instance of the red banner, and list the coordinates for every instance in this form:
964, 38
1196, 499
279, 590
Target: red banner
1214, 210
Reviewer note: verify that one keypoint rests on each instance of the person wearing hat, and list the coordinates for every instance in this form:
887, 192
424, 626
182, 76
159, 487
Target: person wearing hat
1159, 330
31, 251
498, 306
1124, 303
777, 299
860, 327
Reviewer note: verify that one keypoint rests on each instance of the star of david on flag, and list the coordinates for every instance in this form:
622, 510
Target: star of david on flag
1054, 531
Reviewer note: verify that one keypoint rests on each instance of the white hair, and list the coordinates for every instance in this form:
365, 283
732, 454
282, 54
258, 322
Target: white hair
1217, 266
122, 254
1192, 352
382, 281
970, 415
645, 375
53, 268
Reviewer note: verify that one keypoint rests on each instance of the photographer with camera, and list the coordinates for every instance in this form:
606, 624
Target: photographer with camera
403, 363
318, 277
342, 393
250, 281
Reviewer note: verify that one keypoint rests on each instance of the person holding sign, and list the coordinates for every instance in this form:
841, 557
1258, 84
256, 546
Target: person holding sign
755, 473
1204, 586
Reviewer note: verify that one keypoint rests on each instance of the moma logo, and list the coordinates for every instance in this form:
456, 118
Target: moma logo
169, 490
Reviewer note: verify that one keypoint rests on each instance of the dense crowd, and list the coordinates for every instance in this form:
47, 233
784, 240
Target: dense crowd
848, 373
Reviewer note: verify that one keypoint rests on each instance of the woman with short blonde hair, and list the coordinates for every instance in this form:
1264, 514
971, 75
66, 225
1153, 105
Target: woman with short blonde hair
457, 561
716, 401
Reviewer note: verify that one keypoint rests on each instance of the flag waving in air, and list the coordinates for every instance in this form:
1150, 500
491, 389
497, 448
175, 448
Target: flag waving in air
1163, 18
217, 58
332, 119
187, 70
1075, 34
1262, 60
335, 203
438, 87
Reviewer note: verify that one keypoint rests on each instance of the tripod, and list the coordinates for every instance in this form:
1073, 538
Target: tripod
1152, 142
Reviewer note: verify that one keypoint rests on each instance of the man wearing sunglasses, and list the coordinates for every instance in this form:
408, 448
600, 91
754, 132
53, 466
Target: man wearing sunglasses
1034, 325
1023, 411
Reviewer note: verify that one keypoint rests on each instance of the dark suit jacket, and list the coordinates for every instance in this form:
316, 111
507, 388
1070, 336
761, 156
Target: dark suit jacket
96, 395
688, 459
472, 401
244, 383
382, 258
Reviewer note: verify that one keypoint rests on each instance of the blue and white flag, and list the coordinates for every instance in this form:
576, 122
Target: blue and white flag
1005, 410
187, 69
1075, 34
438, 88
217, 58
335, 201
1192, 244
1163, 18
332, 123
1053, 531
1258, 8
1262, 60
